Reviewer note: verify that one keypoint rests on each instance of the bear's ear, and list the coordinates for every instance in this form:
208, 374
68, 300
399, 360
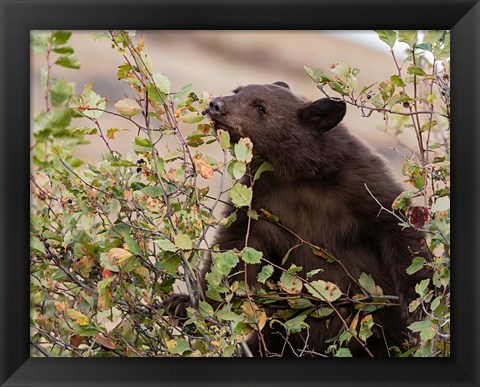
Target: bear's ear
282, 84
323, 114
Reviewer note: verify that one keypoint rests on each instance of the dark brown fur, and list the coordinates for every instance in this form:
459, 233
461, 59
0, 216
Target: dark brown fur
318, 191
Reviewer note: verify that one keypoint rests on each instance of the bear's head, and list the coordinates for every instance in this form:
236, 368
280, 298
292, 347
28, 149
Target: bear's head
293, 134
272, 111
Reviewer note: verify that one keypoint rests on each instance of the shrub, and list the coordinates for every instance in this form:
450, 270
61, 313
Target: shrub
109, 240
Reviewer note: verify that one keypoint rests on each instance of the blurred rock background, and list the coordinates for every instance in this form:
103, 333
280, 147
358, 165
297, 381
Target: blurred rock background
219, 61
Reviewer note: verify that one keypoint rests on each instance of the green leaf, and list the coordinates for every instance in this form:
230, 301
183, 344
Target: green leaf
37, 245
183, 241
366, 326
296, 324
162, 82
225, 314
60, 37
339, 87
39, 41
345, 336
324, 290
367, 283
111, 133
132, 245
341, 69
224, 139
274, 218
265, 273
179, 347
123, 70
416, 70
343, 352
241, 195
99, 36
417, 264
225, 262
84, 131
265, 167
236, 169
229, 350
105, 283
387, 36
122, 163
441, 50
250, 255
228, 221
191, 117
195, 139
113, 210
184, 90
290, 283
426, 328
165, 245
154, 191
205, 309
89, 100
36, 223
311, 273
61, 92
143, 141
316, 74
309, 71
422, 287
300, 303
243, 150
424, 46
397, 81
63, 50
170, 262
408, 36
294, 269
68, 61
214, 279
402, 200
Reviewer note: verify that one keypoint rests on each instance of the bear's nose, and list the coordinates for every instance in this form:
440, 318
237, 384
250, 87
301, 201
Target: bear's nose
217, 105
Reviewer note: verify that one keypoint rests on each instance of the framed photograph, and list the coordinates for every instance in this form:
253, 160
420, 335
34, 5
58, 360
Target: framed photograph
204, 180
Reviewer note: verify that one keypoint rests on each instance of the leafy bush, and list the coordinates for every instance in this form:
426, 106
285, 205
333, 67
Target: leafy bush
109, 240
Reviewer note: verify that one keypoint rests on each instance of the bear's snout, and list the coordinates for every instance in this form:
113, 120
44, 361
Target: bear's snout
215, 107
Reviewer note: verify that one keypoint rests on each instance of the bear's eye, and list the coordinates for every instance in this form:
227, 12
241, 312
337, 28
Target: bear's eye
261, 108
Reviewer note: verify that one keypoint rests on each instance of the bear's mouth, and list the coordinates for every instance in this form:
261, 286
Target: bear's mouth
219, 125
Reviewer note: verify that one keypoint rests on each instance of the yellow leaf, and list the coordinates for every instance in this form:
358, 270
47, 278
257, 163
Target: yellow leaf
84, 266
255, 316
118, 256
78, 317
261, 319
143, 272
205, 169
354, 323
104, 298
171, 344
128, 107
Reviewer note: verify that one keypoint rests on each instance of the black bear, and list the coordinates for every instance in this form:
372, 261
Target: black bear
318, 190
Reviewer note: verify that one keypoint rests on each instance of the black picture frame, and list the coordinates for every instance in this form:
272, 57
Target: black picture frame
18, 17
